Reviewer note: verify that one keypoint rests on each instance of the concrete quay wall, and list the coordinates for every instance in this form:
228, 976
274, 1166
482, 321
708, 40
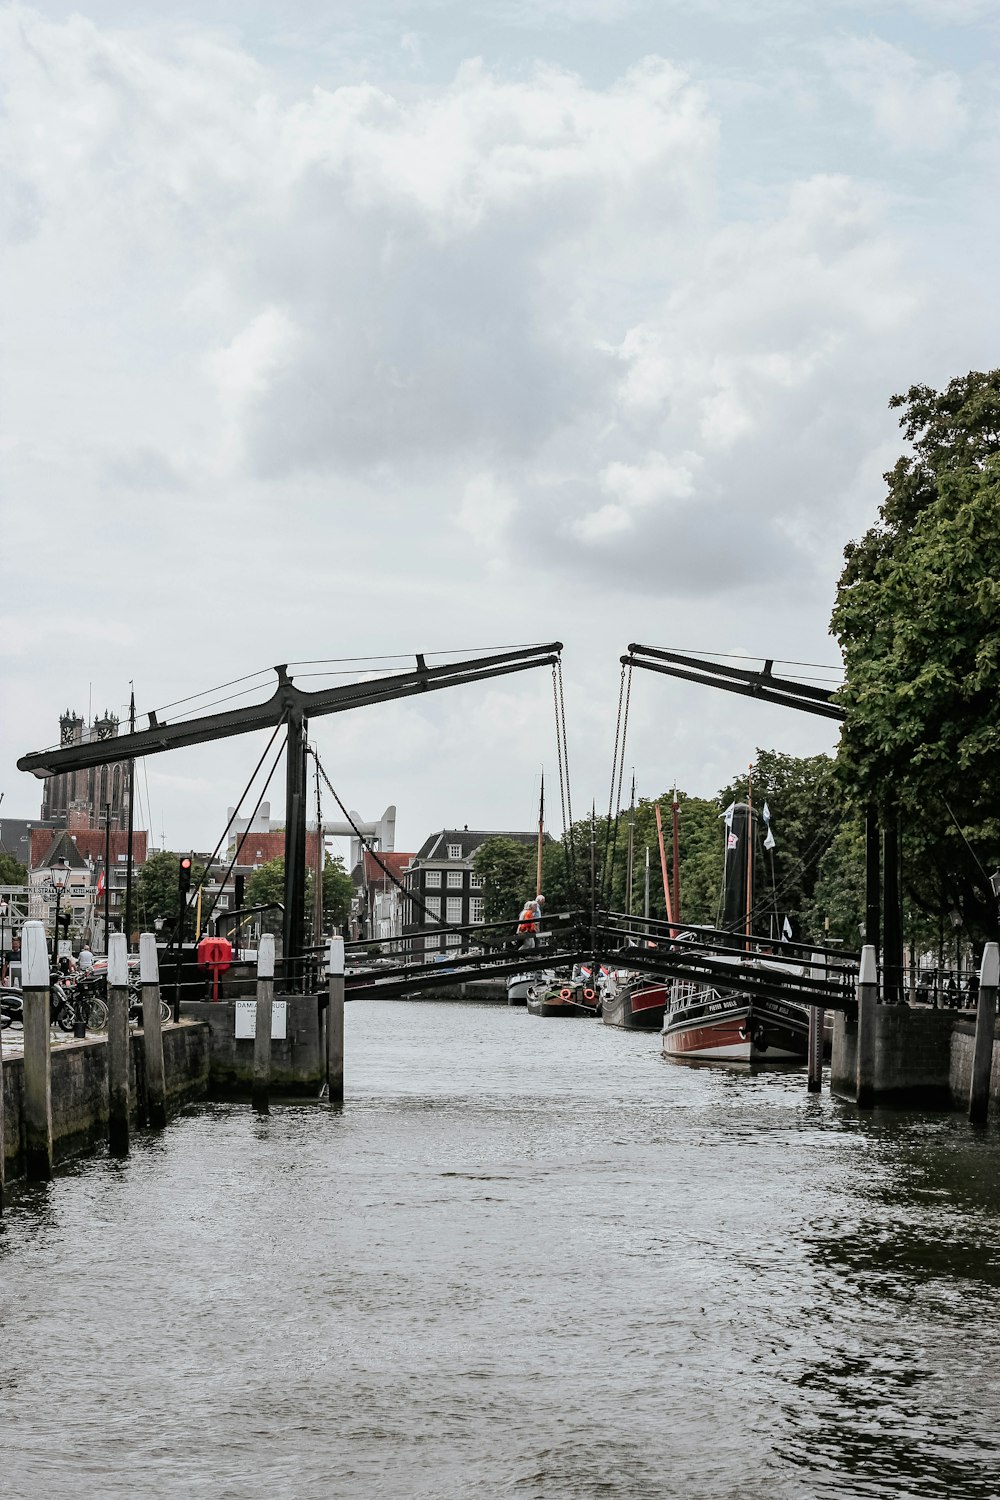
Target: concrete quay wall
923, 1058
80, 1089
298, 1064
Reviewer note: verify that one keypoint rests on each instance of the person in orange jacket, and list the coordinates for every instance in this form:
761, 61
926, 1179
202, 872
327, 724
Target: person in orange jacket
528, 922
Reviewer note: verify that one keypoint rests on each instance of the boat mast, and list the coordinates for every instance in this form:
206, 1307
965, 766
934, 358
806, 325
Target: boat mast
630, 858
541, 836
749, 892
663, 868
676, 809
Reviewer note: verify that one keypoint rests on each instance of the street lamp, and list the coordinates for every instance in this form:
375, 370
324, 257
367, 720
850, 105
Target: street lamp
58, 874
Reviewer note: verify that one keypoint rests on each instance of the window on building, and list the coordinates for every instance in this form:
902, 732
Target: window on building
454, 851
476, 909
454, 880
432, 878
454, 909
453, 939
475, 882
433, 905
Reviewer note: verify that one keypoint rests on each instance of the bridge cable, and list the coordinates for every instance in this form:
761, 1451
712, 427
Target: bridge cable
235, 814
435, 922
566, 823
617, 771
239, 842
569, 846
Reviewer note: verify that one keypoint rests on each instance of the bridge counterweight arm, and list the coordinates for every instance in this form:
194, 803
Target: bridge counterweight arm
287, 700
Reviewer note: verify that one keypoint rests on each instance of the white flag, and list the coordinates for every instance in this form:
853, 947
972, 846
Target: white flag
786, 928
728, 814
732, 841
769, 841
766, 813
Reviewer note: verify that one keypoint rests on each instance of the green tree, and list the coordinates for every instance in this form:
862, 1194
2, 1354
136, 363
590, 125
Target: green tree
507, 870
917, 615
267, 884
156, 889
12, 872
338, 893
806, 807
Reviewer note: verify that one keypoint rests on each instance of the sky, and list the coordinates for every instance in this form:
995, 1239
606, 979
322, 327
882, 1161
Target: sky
332, 331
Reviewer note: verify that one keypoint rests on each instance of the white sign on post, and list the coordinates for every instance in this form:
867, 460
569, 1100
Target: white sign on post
246, 1020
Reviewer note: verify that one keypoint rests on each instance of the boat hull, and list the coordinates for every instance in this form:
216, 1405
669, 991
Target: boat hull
716, 1027
519, 986
638, 1006
554, 1004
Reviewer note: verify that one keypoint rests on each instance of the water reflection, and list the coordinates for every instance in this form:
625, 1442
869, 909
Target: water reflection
525, 1259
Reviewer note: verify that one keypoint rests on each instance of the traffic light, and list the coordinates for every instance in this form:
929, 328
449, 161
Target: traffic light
184, 876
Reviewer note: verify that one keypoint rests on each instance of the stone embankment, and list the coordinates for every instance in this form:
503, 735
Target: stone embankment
923, 1057
80, 1089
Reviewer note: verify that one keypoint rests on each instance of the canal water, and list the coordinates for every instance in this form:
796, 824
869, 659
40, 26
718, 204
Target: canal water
528, 1258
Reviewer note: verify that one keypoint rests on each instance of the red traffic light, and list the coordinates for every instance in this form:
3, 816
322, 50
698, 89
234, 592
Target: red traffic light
186, 863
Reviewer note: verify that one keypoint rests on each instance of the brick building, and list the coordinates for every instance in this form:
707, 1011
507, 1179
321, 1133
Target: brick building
442, 875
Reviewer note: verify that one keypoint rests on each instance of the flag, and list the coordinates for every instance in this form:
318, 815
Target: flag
766, 813
786, 928
728, 814
769, 840
732, 841
100, 884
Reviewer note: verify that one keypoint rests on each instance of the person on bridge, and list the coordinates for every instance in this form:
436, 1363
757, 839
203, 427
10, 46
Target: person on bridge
528, 922
85, 959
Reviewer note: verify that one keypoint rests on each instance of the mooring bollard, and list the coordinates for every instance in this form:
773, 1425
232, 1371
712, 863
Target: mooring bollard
816, 1019
35, 982
982, 1057
38, 1064
149, 978
335, 1020
867, 1007
118, 1044
260, 1095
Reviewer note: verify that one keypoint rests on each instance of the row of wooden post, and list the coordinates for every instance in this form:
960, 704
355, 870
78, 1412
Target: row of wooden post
37, 1044
36, 988
334, 1040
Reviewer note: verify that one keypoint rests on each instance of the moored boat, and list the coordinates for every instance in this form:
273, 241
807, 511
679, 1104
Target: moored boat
564, 1000
519, 985
718, 1025
713, 1023
637, 1004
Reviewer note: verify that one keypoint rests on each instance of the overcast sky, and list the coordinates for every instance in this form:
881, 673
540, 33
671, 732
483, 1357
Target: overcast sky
335, 329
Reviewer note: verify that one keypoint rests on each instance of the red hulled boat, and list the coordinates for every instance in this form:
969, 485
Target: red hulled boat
638, 1004
717, 1024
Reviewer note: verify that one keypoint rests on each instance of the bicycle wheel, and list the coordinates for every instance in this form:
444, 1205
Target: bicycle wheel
166, 1013
66, 1016
97, 1015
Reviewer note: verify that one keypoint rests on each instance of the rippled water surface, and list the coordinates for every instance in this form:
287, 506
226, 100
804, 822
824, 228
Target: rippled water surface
527, 1258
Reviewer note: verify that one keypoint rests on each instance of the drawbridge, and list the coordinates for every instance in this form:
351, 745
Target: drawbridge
589, 932
707, 958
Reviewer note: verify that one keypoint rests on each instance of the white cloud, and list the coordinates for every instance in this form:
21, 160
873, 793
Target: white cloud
914, 107
303, 365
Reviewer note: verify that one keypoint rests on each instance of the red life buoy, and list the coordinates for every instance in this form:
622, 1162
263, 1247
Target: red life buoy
565, 994
588, 994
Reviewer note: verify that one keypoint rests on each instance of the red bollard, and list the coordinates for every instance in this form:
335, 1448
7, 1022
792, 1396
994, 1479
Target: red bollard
215, 954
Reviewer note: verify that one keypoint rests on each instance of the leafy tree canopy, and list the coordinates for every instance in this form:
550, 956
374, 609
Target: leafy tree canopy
917, 615
507, 870
156, 887
12, 872
267, 884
